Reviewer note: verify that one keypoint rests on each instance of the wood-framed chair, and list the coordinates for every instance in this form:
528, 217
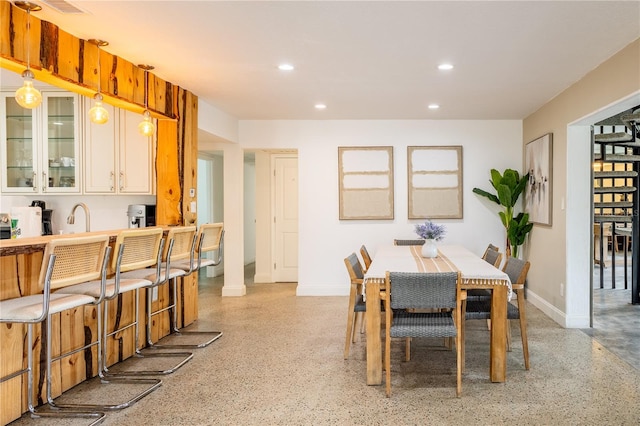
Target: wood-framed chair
366, 258
493, 256
66, 262
357, 306
407, 296
517, 269
399, 242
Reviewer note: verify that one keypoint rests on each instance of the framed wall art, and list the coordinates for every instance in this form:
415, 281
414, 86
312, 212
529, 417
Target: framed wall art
538, 161
434, 182
365, 179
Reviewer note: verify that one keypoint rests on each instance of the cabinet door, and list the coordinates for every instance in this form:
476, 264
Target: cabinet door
18, 136
100, 141
135, 156
61, 154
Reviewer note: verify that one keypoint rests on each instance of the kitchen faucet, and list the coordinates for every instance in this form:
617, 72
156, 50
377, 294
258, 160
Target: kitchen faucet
72, 218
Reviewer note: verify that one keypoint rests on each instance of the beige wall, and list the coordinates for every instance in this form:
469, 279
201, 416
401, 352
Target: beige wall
551, 250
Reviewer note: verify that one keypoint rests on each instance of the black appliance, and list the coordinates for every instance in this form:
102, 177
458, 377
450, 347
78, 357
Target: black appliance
141, 215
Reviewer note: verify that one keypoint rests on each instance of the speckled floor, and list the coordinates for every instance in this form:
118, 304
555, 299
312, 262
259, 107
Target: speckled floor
280, 362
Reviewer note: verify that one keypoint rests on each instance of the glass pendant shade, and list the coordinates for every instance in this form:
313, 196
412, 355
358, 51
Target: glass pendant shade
98, 114
146, 126
28, 96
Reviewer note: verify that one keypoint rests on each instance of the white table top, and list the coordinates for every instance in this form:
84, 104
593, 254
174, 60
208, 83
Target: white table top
474, 270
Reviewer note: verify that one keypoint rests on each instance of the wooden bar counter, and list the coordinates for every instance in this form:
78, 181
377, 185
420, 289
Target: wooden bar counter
20, 264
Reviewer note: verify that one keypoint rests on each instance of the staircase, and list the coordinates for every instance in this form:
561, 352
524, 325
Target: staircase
616, 193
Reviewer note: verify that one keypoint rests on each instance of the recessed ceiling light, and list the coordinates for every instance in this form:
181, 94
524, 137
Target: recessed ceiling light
286, 67
434, 106
445, 67
320, 106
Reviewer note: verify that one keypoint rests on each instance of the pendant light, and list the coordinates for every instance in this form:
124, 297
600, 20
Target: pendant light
28, 96
98, 114
146, 126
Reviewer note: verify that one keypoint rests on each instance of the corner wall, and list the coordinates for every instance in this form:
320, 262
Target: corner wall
614, 81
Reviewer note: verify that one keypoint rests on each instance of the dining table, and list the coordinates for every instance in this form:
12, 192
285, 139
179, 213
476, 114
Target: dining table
476, 274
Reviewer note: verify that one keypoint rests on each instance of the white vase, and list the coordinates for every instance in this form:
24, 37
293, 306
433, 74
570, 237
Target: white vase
429, 248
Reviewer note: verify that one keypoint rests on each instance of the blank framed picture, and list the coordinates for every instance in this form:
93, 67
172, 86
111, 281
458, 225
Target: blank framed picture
365, 176
434, 182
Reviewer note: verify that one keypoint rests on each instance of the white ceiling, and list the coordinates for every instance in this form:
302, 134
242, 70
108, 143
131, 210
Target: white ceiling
364, 60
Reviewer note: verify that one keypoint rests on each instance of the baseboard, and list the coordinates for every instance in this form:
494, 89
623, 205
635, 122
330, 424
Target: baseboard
234, 291
556, 314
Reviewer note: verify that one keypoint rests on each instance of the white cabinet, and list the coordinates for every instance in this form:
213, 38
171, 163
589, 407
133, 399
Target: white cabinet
40, 147
117, 159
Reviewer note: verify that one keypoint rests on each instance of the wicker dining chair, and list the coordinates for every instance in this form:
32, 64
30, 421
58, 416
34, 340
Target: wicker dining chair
407, 296
398, 242
357, 306
517, 270
493, 256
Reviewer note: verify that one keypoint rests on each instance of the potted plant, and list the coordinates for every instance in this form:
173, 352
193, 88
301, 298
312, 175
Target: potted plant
508, 186
430, 232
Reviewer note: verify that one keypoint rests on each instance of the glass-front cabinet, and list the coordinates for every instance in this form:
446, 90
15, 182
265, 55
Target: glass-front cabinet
40, 147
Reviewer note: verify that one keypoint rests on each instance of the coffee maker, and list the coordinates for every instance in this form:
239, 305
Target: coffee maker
47, 228
141, 215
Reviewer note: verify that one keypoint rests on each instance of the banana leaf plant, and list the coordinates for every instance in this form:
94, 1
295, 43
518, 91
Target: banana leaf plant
508, 186
518, 230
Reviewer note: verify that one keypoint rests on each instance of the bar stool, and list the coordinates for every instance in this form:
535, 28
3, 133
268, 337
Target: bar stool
182, 243
210, 239
66, 262
147, 245
135, 249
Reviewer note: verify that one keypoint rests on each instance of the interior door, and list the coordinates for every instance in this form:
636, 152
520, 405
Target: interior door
285, 219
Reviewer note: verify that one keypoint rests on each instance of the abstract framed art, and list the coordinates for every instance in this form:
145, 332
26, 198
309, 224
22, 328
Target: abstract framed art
434, 182
538, 157
365, 179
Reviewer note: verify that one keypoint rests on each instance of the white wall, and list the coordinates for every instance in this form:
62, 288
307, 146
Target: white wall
249, 208
324, 241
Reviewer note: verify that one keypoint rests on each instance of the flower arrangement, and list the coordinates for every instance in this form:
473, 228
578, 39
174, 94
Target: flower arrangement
430, 231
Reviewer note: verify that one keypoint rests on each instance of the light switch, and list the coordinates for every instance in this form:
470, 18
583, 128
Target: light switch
193, 206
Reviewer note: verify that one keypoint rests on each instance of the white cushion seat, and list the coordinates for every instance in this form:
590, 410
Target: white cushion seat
150, 274
92, 288
29, 308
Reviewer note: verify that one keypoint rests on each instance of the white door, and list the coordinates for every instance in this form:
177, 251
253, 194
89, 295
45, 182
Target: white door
285, 219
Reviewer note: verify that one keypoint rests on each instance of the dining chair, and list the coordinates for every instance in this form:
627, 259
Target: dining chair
493, 256
407, 296
66, 262
417, 242
357, 305
365, 257
517, 270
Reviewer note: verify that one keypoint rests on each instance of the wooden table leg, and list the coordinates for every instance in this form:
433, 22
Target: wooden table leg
374, 348
498, 363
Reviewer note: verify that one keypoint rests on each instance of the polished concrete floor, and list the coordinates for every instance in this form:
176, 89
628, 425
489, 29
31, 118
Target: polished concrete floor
280, 362
616, 322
